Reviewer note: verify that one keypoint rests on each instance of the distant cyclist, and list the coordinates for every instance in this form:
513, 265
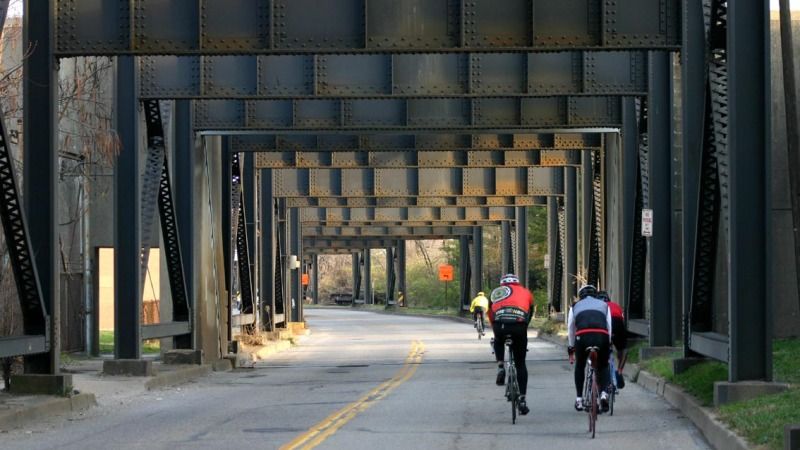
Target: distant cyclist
589, 325
619, 335
478, 307
510, 314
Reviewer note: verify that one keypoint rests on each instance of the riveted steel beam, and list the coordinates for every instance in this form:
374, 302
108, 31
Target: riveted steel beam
220, 27
418, 182
407, 214
397, 231
418, 158
437, 201
417, 75
338, 245
439, 114
376, 142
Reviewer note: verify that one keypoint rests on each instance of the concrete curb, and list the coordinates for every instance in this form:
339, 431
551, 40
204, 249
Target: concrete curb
49, 406
177, 376
715, 432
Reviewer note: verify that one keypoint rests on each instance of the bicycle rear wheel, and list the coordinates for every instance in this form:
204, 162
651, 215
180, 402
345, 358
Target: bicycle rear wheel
611, 399
593, 411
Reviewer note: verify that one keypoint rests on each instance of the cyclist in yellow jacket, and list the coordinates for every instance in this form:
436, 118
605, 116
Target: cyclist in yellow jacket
479, 306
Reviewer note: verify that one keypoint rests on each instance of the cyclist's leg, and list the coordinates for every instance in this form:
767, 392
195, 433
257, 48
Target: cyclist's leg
580, 364
499, 352
519, 348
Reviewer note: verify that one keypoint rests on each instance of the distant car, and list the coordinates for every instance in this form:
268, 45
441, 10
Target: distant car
341, 298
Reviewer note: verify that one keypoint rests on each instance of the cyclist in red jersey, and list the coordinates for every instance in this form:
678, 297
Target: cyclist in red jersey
510, 313
619, 334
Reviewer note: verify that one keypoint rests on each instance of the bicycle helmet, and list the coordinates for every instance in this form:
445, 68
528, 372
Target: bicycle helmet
587, 291
603, 295
481, 294
509, 278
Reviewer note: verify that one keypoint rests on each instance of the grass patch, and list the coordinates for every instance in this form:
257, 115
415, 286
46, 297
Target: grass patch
699, 380
553, 327
107, 344
633, 351
660, 366
761, 420
785, 361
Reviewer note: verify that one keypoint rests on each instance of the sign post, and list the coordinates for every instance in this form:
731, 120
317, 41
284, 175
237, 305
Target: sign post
647, 223
445, 274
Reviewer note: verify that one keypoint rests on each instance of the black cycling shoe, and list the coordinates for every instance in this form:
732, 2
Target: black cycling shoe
620, 381
523, 406
501, 376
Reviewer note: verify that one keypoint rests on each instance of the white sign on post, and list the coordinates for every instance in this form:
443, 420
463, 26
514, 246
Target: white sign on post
647, 222
547, 261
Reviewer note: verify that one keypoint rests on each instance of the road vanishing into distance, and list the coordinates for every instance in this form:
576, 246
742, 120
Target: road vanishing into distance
364, 380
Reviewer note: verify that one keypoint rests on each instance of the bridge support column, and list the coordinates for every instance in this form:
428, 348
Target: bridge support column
296, 244
659, 128
521, 223
127, 217
464, 273
315, 278
390, 276
571, 236
267, 244
227, 237
506, 252
749, 205
402, 292
249, 203
40, 85
553, 261
185, 212
356, 276
368, 297
585, 215
477, 261
630, 158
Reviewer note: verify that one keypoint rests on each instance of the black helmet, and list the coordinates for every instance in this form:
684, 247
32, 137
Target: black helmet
587, 291
603, 295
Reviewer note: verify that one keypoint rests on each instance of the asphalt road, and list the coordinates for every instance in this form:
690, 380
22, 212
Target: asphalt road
369, 381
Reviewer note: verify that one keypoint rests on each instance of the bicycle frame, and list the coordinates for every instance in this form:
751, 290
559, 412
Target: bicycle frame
512, 384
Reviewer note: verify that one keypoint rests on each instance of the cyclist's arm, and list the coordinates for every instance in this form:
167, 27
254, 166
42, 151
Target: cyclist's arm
571, 328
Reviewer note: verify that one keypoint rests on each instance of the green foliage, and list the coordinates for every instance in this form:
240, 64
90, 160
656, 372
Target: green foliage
660, 366
552, 327
699, 380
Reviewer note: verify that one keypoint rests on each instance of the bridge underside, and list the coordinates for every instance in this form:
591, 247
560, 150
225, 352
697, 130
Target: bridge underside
303, 127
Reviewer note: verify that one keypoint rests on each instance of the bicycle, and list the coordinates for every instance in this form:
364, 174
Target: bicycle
479, 325
591, 391
512, 385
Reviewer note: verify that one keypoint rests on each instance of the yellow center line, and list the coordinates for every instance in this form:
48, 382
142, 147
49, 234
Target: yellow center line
329, 425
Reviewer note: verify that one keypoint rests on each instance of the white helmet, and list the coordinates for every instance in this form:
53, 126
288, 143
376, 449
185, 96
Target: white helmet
509, 278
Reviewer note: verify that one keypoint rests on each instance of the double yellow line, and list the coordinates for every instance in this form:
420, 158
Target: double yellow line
328, 426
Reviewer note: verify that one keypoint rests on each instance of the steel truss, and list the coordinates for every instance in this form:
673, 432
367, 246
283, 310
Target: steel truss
157, 167
408, 115
394, 76
35, 320
235, 27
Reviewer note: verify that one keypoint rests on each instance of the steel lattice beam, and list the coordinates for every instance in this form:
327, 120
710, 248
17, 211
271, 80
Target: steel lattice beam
418, 158
310, 142
209, 27
421, 182
417, 75
438, 114
397, 231
399, 202
408, 214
